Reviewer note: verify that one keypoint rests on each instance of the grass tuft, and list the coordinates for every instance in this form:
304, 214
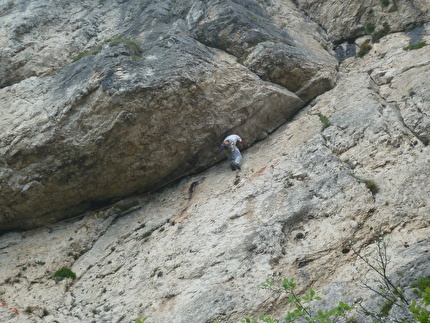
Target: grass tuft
415, 46
365, 47
377, 35
324, 120
370, 185
132, 46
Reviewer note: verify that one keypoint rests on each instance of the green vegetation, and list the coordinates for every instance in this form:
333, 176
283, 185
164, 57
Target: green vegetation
370, 185
324, 120
377, 35
64, 273
300, 306
141, 320
369, 28
365, 47
419, 309
421, 284
386, 308
415, 46
146, 234
132, 46
31, 309
396, 307
87, 53
385, 3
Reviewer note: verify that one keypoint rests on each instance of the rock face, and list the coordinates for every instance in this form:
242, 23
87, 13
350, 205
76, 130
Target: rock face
352, 163
158, 88
344, 22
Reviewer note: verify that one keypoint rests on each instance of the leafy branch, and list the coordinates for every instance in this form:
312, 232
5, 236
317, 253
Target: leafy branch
301, 304
391, 292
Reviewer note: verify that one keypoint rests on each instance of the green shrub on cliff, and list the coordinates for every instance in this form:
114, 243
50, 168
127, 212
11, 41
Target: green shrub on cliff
132, 46
64, 273
415, 46
324, 120
420, 308
377, 35
300, 306
385, 3
365, 47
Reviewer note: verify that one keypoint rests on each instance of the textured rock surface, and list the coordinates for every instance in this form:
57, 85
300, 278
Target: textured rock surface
344, 22
198, 251
79, 134
91, 146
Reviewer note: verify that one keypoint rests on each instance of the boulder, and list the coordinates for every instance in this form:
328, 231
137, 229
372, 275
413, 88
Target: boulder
108, 126
102, 101
248, 32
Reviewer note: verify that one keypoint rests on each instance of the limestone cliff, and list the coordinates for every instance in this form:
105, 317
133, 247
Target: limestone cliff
340, 152
101, 100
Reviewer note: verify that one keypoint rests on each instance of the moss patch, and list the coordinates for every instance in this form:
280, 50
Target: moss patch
370, 185
324, 120
415, 46
132, 46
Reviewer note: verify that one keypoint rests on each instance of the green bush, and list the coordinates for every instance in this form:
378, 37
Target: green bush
301, 304
392, 292
422, 284
419, 309
385, 3
369, 28
64, 273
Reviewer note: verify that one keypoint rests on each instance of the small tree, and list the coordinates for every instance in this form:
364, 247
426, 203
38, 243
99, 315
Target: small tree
397, 307
302, 306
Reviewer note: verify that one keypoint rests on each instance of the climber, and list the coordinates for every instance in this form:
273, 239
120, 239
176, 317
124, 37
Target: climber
231, 151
